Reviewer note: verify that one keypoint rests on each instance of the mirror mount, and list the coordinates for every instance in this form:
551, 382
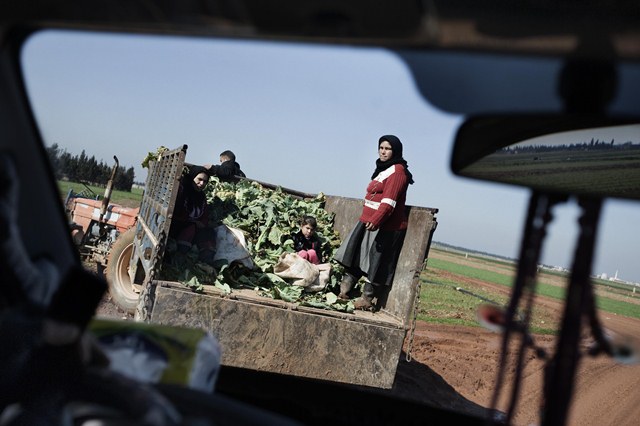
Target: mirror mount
580, 304
588, 84
539, 215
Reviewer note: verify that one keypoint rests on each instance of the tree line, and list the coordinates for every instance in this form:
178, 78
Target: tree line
82, 168
594, 145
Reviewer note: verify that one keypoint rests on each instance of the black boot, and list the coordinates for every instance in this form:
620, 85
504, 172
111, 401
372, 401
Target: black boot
346, 285
365, 302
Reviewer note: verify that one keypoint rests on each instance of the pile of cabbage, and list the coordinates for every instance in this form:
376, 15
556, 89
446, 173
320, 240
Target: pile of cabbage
268, 219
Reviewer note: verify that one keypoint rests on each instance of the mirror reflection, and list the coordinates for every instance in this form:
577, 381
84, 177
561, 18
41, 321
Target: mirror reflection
600, 162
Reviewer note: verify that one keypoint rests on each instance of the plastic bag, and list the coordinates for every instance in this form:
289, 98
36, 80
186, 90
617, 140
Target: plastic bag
231, 246
155, 353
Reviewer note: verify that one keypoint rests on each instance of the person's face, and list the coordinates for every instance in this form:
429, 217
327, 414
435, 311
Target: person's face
384, 151
223, 158
307, 230
200, 181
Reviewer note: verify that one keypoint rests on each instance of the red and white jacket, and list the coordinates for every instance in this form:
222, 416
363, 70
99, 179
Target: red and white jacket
385, 200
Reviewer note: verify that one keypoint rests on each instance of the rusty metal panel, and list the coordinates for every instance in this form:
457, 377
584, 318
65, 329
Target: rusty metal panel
347, 211
156, 211
287, 341
86, 210
415, 251
422, 224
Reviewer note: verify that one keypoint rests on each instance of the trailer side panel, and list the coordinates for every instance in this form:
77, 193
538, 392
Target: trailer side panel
287, 341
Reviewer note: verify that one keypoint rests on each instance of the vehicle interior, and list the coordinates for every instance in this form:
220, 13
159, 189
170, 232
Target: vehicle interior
522, 75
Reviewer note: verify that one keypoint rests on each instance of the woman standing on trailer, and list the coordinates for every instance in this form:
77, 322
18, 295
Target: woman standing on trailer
373, 246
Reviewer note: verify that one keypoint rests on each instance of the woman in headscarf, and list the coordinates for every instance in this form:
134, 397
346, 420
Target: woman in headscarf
189, 225
373, 246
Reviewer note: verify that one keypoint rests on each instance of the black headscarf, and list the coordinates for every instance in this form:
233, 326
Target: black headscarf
191, 195
194, 171
396, 158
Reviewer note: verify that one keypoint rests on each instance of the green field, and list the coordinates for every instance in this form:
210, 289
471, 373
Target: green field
123, 198
603, 171
445, 298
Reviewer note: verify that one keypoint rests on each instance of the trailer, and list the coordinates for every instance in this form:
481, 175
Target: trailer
273, 336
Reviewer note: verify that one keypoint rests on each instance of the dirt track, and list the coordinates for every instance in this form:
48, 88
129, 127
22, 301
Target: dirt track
466, 359
455, 367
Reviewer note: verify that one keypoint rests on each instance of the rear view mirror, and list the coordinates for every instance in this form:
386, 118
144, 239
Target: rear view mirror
559, 154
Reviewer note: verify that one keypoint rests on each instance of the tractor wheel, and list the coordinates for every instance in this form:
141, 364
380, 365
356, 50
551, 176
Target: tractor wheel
120, 286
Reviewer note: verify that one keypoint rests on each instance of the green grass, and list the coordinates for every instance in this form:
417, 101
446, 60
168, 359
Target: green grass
618, 307
469, 272
609, 305
123, 198
480, 258
440, 301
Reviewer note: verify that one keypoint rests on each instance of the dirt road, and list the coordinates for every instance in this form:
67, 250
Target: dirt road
455, 367
466, 360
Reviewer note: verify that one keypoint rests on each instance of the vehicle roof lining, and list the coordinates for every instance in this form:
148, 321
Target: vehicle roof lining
537, 26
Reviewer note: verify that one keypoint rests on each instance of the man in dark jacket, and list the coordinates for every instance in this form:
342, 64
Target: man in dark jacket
228, 170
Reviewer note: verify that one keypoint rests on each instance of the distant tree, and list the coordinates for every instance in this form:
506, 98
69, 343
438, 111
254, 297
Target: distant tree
82, 168
53, 152
103, 172
72, 168
124, 179
93, 172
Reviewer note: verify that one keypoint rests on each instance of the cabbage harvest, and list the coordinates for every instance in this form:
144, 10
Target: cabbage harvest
268, 219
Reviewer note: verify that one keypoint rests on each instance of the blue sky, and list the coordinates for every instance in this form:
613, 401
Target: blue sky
304, 117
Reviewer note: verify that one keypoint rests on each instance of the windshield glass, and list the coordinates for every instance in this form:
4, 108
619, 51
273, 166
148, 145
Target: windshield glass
308, 117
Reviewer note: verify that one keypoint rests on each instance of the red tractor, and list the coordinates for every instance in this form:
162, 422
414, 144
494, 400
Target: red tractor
96, 224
